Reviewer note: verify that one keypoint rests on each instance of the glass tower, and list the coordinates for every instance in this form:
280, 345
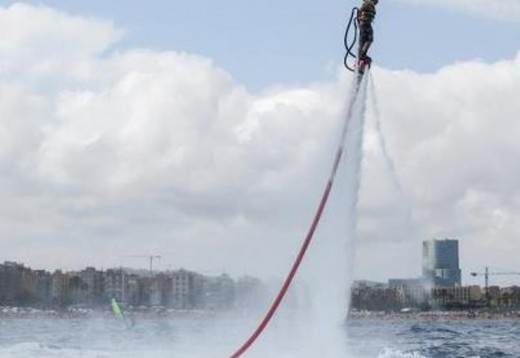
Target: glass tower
441, 262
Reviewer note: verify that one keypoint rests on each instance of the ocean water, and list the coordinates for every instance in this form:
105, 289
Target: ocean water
434, 338
209, 337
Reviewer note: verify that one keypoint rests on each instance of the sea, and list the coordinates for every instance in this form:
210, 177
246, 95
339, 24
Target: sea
204, 337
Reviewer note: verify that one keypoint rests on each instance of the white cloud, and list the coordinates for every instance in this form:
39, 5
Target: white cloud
142, 151
499, 9
453, 134
36, 43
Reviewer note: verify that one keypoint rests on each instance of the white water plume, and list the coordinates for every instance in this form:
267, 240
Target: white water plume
332, 254
405, 203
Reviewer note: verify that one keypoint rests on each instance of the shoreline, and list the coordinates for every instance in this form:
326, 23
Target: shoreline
160, 313
435, 315
88, 313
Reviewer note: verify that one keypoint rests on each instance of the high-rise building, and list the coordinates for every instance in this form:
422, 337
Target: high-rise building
11, 282
441, 262
94, 285
114, 282
186, 289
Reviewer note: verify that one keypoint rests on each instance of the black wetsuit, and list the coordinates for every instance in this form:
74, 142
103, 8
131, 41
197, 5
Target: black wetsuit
366, 15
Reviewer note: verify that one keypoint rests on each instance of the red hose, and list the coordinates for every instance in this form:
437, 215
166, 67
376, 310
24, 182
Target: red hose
308, 238
292, 273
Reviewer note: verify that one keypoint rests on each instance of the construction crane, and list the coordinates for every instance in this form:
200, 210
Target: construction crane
486, 275
149, 257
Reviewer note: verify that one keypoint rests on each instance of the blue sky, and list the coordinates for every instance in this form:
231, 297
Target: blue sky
262, 43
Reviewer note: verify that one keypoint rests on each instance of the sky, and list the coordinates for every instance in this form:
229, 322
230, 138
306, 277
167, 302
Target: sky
203, 132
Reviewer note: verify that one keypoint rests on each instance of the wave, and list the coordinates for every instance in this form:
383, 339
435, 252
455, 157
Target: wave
393, 353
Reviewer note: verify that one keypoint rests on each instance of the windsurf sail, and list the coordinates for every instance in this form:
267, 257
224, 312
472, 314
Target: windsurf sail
116, 309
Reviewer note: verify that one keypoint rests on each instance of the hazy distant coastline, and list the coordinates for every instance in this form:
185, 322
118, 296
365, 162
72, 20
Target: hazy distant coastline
88, 313
435, 315
161, 313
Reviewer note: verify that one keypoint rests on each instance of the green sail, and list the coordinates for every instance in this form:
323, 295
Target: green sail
116, 309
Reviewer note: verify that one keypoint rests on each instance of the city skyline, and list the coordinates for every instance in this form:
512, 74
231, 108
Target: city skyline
439, 267
467, 276
21, 286
185, 290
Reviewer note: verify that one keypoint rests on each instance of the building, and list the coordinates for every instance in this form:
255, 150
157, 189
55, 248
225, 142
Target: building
510, 297
218, 292
92, 288
11, 274
78, 290
441, 263
134, 293
43, 291
60, 294
413, 292
457, 297
369, 296
28, 293
114, 284
94, 285
186, 289
158, 288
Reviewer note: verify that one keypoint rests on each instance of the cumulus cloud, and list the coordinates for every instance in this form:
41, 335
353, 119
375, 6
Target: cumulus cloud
107, 153
453, 137
500, 9
144, 149
45, 48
